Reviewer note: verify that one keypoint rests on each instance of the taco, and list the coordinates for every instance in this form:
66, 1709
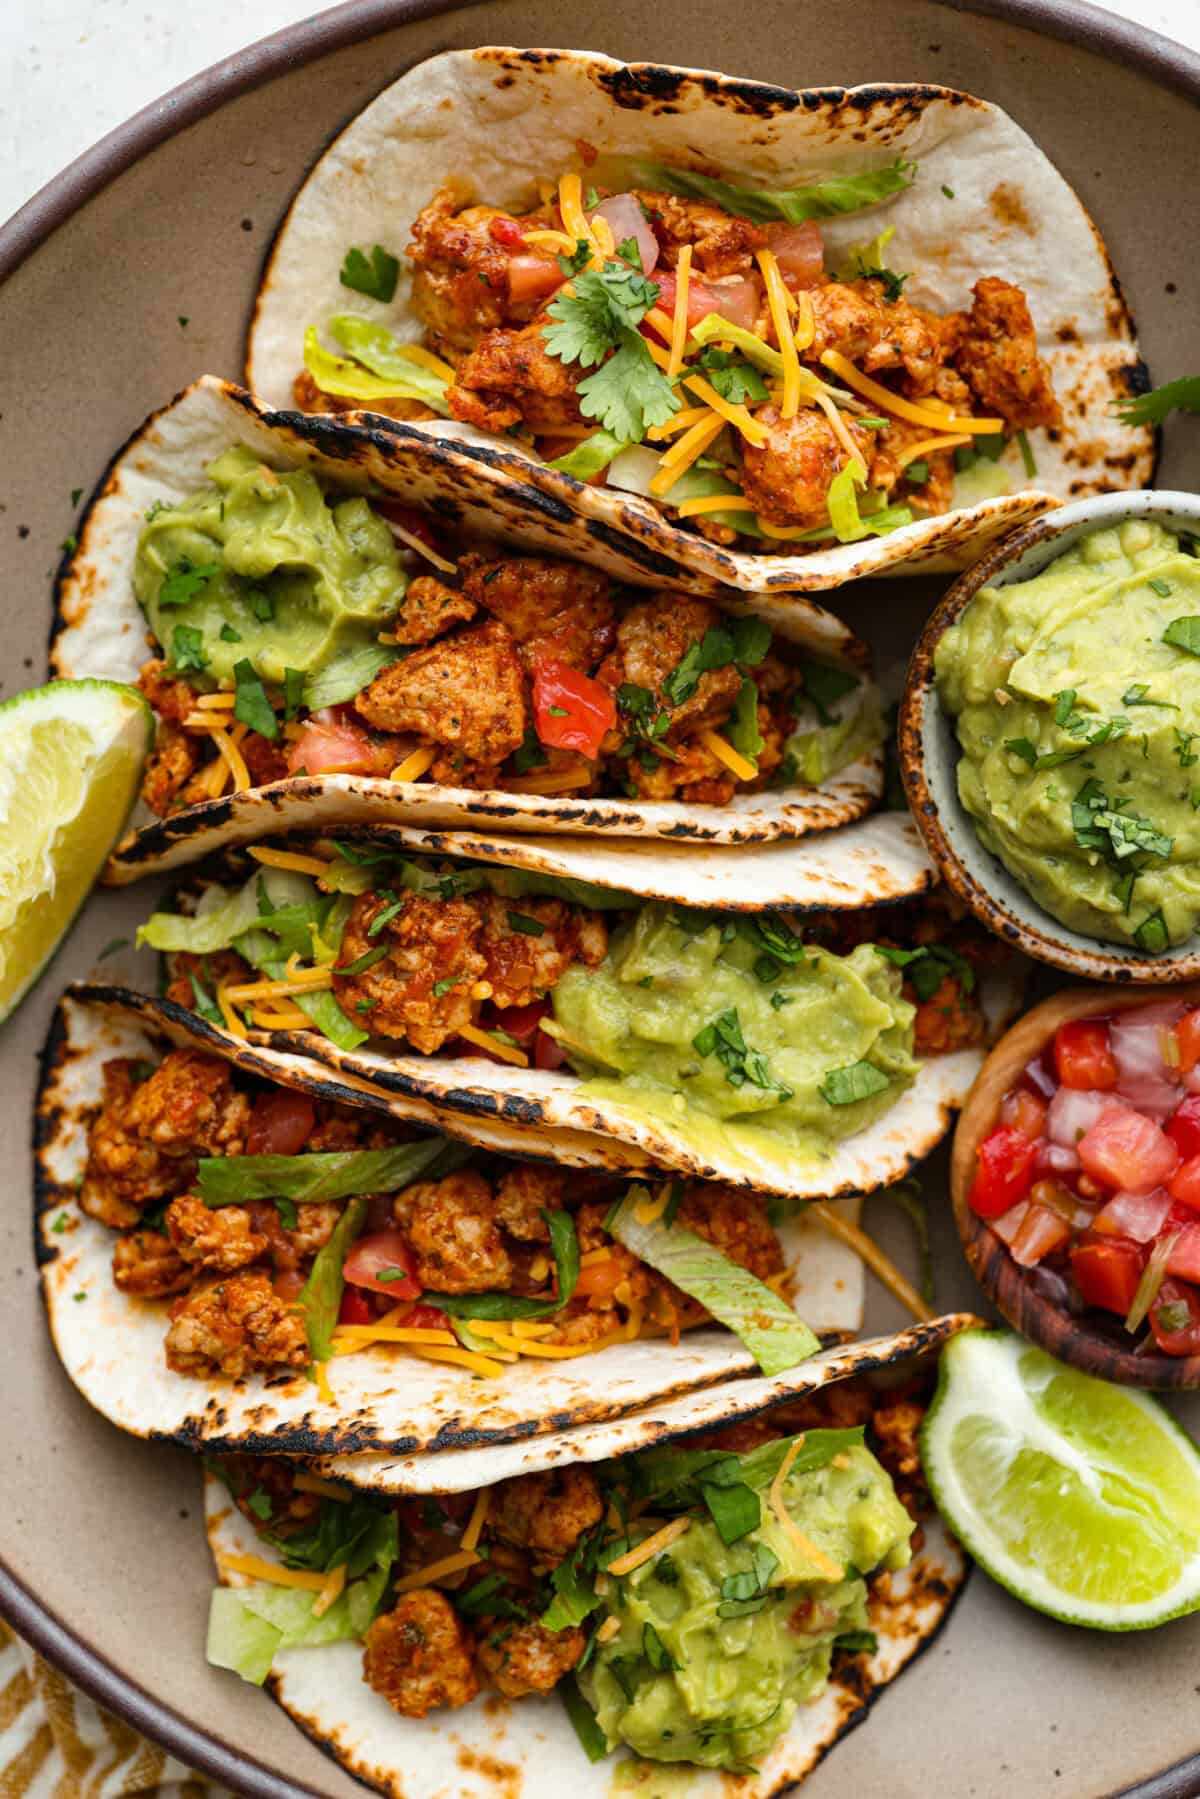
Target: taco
784, 339
730, 1601
805, 1055
328, 627
232, 1261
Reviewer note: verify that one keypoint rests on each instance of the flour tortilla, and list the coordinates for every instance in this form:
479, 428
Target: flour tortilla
531, 1738
385, 1401
100, 630
491, 122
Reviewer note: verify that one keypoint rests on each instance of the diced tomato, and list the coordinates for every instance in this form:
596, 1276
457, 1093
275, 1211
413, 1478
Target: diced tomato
1127, 1151
1107, 1271
570, 710
1187, 1035
1041, 1232
1184, 1184
532, 277
736, 300
355, 1307
599, 1279
1082, 1057
1184, 1259
1137, 1215
1183, 1339
1005, 1171
425, 1318
1183, 1126
384, 1263
799, 251
507, 232
409, 519
288, 1284
280, 1124
328, 744
1024, 1111
547, 1051
521, 1022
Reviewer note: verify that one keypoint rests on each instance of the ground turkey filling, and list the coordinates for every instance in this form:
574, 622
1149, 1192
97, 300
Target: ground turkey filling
234, 1272
424, 1654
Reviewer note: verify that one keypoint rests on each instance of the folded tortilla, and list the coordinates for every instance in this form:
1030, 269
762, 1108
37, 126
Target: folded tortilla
458, 1751
383, 1402
491, 122
100, 630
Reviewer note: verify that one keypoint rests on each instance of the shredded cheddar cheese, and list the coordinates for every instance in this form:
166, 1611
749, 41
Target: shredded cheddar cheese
658, 321
927, 445
285, 1017
325, 1489
679, 321
684, 452
734, 761
608, 1630
435, 1571
463, 1358
652, 1546
258, 1568
591, 1256
335, 1581
216, 701
806, 324
227, 749
838, 426
363, 1334
558, 241
870, 1252
825, 1566
314, 980
887, 401
414, 765
777, 302
507, 1052
650, 1209
686, 416
715, 502
301, 865
478, 1518
232, 1022
570, 206
558, 781
730, 411
324, 1386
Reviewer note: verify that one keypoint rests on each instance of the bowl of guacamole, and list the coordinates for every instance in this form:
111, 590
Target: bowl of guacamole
1050, 737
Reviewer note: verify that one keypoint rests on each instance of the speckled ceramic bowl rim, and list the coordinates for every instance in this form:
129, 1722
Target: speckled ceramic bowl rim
1077, 22
929, 755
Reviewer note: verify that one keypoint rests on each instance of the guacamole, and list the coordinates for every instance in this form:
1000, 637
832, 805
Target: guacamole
719, 1643
1074, 695
737, 1025
261, 567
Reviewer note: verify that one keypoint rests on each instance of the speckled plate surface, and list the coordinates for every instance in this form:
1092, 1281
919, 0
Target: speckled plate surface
172, 217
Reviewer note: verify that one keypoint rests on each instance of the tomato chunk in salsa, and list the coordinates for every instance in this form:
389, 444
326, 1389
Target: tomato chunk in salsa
1093, 1168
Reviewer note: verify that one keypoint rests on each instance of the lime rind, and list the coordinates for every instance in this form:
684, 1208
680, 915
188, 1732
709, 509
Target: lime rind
71, 760
1080, 1497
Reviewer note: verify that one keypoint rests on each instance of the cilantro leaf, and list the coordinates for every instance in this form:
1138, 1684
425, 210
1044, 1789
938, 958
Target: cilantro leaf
1181, 395
593, 318
722, 1037
824, 687
859, 1080
579, 258
732, 376
628, 394
375, 276
251, 705
187, 648
1151, 934
1184, 634
184, 579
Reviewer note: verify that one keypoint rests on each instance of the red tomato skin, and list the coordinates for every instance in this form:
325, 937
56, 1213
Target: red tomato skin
1107, 1271
1179, 1342
379, 1253
547, 1051
521, 1022
280, 1124
330, 744
799, 251
1024, 1111
507, 232
1184, 1260
1127, 1151
589, 707
1183, 1126
1187, 1035
736, 301
1184, 1185
425, 1318
355, 1307
1082, 1058
410, 520
1005, 1172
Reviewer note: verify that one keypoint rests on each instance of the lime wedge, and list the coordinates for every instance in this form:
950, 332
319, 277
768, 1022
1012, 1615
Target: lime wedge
1080, 1497
71, 757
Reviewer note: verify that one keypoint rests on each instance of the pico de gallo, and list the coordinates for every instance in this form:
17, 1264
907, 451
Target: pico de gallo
300, 631
680, 337
1092, 1170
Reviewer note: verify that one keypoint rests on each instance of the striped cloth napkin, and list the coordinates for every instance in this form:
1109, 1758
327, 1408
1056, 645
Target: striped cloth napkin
55, 1743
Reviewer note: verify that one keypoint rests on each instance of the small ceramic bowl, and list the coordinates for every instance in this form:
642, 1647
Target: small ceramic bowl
929, 755
1033, 1300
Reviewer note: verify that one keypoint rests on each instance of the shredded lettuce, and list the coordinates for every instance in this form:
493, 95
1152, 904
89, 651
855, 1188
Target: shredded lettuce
325, 1175
636, 468
773, 1333
677, 1475
564, 1241
590, 455
824, 199
322, 1292
380, 370
842, 501
742, 729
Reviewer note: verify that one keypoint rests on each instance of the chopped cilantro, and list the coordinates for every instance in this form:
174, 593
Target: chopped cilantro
917, 472
824, 686
722, 1037
187, 648
948, 191
1152, 408
289, 1218
1151, 934
732, 376
926, 968
596, 324
375, 276
1162, 588
229, 635
859, 1080
367, 960
75, 493
527, 926
440, 988
261, 604
1184, 634
1183, 748
184, 579
293, 691
1027, 461
259, 1502
251, 705
579, 258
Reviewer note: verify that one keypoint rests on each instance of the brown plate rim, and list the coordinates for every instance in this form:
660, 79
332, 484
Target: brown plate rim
1120, 41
